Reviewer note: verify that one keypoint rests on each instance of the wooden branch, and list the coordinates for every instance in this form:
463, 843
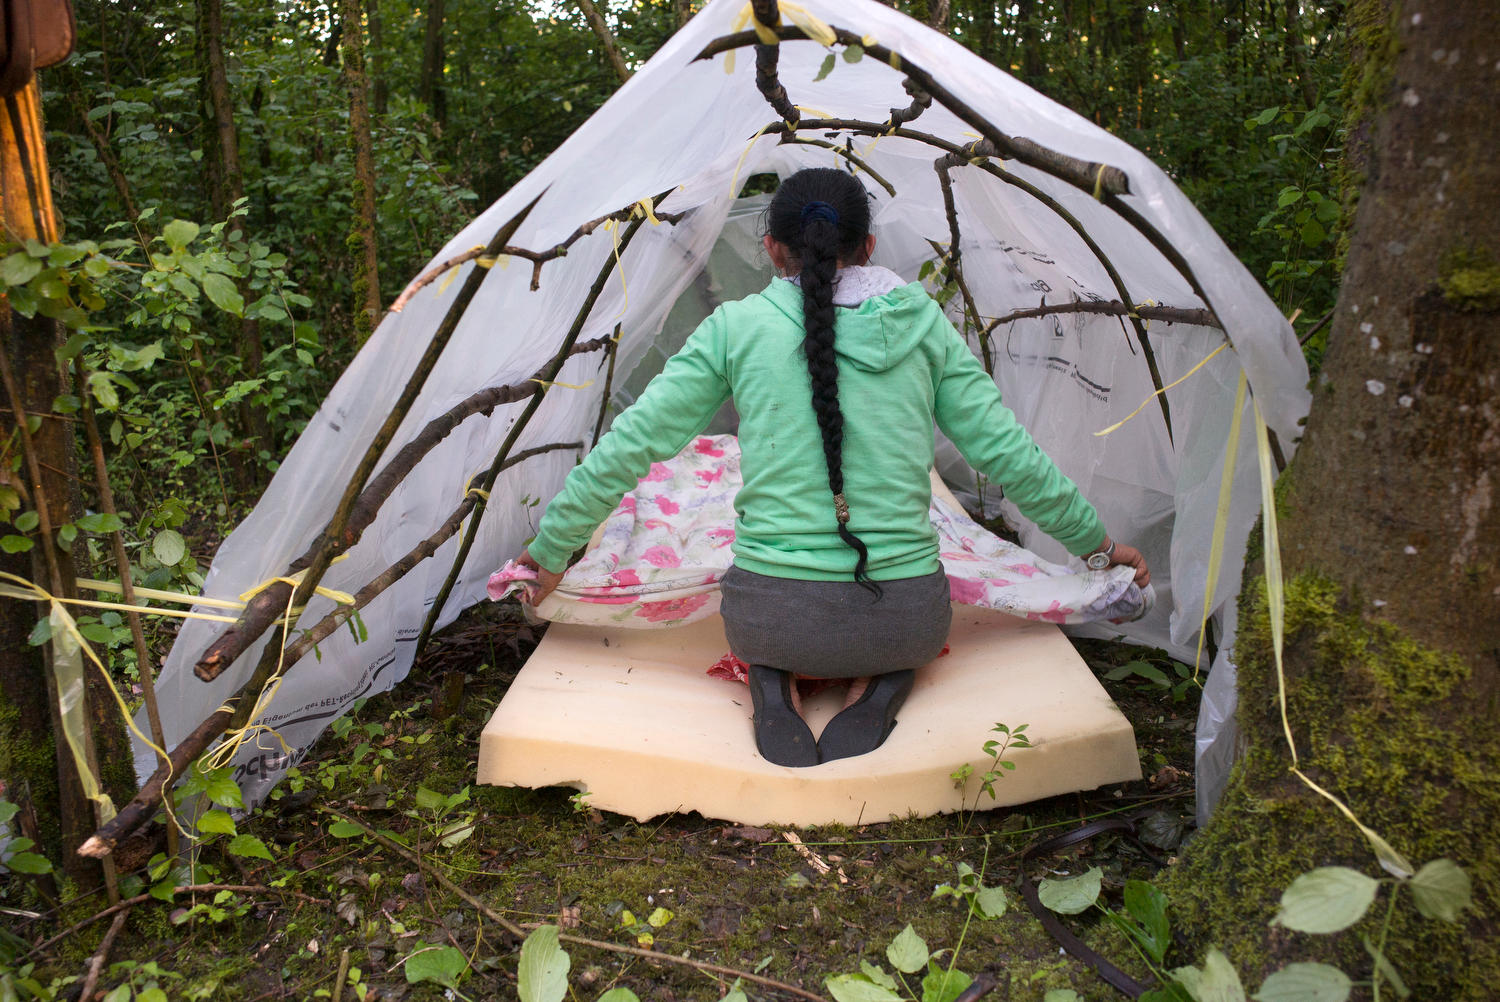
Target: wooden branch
143, 665
101, 955
488, 483
920, 102
1085, 175
537, 258
609, 378
843, 151
519, 930
768, 13
426, 548
269, 604
145, 801
1168, 314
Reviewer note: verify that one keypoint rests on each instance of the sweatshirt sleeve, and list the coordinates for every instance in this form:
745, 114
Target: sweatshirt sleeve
676, 406
987, 434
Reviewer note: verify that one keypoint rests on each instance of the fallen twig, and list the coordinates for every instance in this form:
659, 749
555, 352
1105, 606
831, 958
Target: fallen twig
812, 858
101, 955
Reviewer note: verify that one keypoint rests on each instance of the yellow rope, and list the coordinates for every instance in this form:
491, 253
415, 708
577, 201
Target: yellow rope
1391, 860
1221, 517
1175, 382
1099, 183
67, 642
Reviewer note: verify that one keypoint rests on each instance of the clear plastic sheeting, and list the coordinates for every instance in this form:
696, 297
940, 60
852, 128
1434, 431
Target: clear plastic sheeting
690, 129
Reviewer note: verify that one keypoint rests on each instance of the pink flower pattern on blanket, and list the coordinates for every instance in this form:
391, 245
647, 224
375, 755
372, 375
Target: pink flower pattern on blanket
662, 556
672, 610
664, 571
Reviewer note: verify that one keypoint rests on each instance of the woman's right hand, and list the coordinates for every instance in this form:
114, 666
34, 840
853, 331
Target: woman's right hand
546, 581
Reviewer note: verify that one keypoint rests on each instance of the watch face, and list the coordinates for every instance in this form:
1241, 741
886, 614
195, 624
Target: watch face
1097, 561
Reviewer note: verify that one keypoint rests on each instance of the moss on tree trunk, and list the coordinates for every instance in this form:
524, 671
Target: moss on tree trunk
1389, 541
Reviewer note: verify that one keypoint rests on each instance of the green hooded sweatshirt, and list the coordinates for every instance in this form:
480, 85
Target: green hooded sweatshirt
901, 365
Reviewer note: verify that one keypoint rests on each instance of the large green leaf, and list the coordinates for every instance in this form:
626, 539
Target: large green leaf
217, 822
908, 951
619, 995
179, 233
941, 985
249, 845
1305, 983
1442, 890
439, 964
1217, 981
1327, 899
855, 988
1072, 895
223, 293
543, 973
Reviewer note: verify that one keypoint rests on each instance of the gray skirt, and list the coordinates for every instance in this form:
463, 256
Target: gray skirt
835, 629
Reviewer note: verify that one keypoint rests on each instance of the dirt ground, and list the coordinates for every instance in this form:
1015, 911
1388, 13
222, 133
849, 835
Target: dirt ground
336, 898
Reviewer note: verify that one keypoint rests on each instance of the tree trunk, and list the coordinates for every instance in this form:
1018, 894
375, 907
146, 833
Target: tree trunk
379, 91
362, 226
33, 753
226, 186
1389, 539
430, 84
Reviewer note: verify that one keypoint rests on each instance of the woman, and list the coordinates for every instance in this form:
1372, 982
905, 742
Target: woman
838, 371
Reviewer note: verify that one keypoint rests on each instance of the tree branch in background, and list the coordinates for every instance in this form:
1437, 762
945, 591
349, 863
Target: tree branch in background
606, 39
1167, 314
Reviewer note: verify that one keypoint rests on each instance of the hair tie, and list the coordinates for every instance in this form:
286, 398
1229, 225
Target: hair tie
840, 508
819, 210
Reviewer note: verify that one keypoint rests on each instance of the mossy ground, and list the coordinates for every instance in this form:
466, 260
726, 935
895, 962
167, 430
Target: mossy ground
1384, 723
739, 897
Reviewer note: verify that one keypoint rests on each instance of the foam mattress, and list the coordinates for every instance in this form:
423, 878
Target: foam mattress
631, 717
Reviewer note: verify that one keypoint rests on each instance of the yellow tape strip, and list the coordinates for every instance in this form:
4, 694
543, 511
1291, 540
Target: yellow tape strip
7, 592
1221, 517
68, 649
236, 738
339, 597
1392, 861
1175, 382
734, 181
814, 28
182, 598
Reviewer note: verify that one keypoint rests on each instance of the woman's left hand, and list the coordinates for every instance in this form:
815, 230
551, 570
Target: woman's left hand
546, 582
1132, 557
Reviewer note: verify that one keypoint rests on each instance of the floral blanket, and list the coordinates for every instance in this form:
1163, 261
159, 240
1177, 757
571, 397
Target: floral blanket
657, 560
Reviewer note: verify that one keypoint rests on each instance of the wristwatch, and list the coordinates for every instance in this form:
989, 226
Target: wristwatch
1099, 559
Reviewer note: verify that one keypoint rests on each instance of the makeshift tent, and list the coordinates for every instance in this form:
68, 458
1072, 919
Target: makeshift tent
1079, 272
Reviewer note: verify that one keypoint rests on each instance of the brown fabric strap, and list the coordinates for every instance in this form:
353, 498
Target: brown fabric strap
1064, 936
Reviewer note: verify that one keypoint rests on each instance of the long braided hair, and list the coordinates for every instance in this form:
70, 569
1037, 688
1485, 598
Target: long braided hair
821, 215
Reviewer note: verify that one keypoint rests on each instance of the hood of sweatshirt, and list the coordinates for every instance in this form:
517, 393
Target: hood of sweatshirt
879, 332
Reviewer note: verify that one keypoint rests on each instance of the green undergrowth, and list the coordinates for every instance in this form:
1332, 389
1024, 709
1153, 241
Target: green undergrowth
1386, 724
689, 886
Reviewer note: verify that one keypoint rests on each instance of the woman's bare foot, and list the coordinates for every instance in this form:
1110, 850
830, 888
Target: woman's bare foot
856, 690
